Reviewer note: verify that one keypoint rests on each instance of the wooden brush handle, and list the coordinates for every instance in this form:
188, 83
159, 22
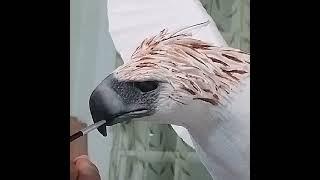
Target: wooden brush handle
76, 136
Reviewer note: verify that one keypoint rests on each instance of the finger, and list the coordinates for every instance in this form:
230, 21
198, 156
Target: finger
85, 159
81, 157
86, 169
73, 171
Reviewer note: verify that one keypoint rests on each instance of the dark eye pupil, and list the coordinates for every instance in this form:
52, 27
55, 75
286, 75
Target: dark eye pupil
146, 86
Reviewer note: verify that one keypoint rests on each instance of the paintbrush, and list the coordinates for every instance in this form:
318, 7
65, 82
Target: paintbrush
86, 130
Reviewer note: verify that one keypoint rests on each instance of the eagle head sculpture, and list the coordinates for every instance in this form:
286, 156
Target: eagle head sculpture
173, 78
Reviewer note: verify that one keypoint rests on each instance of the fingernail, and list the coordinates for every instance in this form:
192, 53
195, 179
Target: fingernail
81, 157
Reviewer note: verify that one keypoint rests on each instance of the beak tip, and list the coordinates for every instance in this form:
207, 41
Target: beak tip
104, 102
103, 130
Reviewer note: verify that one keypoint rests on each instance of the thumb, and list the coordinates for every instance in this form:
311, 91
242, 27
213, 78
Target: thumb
86, 169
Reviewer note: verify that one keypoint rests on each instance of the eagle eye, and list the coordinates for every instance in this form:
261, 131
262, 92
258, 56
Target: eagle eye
146, 86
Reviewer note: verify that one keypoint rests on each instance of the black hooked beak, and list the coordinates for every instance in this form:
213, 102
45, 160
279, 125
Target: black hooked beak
103, 103
116, 102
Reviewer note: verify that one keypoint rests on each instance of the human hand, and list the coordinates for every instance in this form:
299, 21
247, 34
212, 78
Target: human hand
81, 168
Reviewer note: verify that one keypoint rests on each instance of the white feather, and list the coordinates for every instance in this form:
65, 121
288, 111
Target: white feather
223, 138
184, 134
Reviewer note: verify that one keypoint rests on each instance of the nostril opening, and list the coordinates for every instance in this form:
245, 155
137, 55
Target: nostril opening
146, 86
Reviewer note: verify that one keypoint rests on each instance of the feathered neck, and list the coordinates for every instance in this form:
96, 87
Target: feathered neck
222, 137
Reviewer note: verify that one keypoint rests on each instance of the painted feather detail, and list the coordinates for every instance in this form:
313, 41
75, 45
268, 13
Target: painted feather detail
201, 70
